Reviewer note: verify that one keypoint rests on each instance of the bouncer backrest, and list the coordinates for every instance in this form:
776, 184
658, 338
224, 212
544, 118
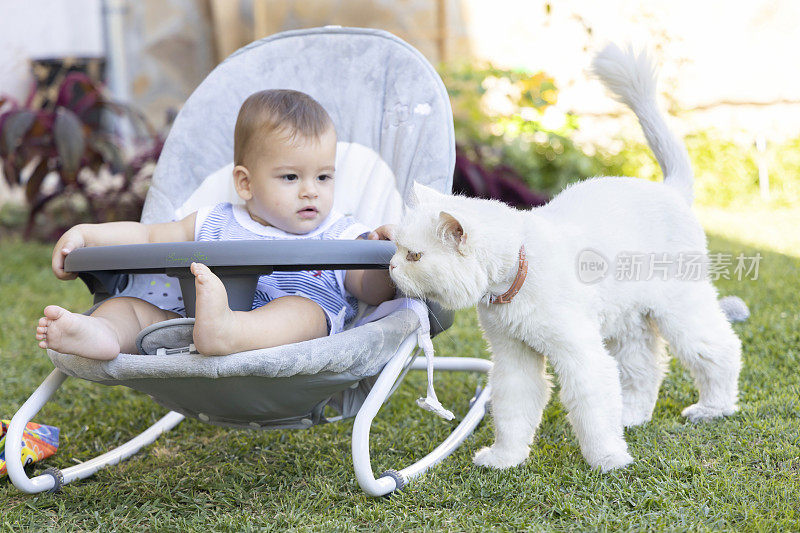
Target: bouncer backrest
389, 106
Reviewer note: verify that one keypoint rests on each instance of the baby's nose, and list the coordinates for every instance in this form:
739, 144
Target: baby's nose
308, 191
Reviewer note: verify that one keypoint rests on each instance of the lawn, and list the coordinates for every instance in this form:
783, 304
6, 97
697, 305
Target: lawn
740, 473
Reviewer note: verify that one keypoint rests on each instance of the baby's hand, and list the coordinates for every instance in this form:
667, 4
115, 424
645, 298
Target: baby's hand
71, 240
383, 233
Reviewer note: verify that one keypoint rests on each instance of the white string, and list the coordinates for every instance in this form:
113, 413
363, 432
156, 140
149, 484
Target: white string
430, 402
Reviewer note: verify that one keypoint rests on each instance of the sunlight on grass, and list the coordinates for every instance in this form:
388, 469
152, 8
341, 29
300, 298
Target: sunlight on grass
774, 229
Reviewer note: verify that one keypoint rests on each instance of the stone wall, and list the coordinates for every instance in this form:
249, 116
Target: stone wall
173, 44
435, 27
169, 51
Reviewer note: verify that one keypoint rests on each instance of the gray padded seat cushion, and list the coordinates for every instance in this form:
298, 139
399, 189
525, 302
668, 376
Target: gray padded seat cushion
360, 352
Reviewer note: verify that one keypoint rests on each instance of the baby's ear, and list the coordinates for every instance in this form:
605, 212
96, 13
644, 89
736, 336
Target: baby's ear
241, 182
451, 230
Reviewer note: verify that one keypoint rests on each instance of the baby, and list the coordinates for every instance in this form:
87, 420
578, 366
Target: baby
284, 155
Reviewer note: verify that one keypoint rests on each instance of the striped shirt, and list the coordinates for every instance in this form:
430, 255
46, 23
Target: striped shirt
227, 222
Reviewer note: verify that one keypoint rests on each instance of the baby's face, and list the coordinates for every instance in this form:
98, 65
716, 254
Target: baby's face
291, 182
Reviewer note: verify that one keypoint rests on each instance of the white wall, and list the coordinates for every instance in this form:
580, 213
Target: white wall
44, 28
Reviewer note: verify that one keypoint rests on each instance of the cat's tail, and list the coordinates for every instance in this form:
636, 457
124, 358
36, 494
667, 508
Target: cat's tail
632, 79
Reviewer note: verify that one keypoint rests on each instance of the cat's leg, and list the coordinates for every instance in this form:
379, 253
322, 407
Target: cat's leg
640, 355
702, 339
591, 392
520, 392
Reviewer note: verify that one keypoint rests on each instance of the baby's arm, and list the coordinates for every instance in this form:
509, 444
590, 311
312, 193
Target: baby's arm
372, 286
112, 233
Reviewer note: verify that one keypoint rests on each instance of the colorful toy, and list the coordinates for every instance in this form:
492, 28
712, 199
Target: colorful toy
38, 442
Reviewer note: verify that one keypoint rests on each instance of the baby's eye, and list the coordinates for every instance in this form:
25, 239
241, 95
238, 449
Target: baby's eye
413, 256
324, 177
289, 177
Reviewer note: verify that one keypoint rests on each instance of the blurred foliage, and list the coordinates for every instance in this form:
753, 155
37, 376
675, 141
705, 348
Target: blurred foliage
783, 162
506, 123
726, 173
72, 159
506, 118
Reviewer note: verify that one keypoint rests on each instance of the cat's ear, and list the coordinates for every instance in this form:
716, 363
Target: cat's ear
421, 194
451, 230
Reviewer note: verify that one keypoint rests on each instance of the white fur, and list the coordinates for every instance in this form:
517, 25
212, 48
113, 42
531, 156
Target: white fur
604, 340
632, 80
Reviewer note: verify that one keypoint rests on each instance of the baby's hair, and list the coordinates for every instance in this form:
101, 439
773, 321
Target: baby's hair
277, 111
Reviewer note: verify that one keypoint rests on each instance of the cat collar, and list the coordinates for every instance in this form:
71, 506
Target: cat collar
522, 272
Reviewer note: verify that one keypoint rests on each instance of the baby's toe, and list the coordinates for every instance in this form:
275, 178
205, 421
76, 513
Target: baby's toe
199, 268
200, 271
53, 312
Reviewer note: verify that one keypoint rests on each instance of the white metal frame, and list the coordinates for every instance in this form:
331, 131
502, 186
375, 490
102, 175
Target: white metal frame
49, 481
393, 480
390, 481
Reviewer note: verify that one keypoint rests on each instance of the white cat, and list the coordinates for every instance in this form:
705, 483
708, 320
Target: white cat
602, 335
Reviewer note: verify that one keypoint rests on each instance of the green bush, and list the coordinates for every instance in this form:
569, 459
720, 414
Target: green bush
783, 162
507, 117
726, 173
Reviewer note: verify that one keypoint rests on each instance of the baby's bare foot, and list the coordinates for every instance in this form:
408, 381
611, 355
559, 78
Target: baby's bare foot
77, 334
214, 322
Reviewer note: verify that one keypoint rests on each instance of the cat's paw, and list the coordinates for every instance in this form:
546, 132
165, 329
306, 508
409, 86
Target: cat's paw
637, 406
491, 457
610, 462
608, 454
701, 413
635, 417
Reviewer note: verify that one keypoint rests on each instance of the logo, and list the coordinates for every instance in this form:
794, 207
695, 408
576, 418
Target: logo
198, 257
592, 266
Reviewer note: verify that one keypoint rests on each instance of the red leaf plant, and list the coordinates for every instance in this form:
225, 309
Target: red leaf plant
78, 142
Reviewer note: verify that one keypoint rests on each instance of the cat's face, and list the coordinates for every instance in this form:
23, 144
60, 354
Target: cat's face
435, 256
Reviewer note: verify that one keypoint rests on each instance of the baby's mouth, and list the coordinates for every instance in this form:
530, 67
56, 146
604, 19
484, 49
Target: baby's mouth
308, 212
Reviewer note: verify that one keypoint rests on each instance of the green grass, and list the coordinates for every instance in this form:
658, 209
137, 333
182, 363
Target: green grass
775, 228
741, 473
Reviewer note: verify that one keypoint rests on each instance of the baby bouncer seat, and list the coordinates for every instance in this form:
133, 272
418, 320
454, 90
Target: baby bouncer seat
394, 126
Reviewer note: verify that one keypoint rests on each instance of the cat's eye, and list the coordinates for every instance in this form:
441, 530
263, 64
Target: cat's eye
413, 256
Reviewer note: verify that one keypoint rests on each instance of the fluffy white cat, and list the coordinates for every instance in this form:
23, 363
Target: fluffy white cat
604, 334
